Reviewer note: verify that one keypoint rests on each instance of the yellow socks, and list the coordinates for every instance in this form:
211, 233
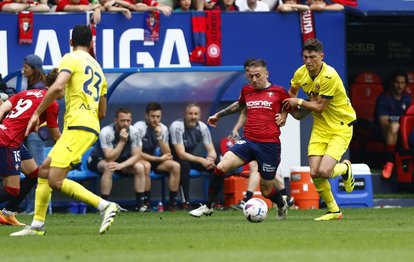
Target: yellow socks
339, 169
324, 189
42, 198
78, 192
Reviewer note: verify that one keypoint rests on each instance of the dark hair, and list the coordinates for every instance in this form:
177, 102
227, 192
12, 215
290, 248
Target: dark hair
398, 73
122, 110
152, 106
176, 4
36, 77
313, 44
221, 6
258, 63
81, 36
51, 77
247, 62
193, 104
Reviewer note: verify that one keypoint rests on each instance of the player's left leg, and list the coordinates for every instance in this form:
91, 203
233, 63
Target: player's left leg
338, 143
10, 190
268, 160
30, 170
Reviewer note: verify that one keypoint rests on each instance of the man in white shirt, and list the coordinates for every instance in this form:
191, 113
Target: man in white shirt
252, 6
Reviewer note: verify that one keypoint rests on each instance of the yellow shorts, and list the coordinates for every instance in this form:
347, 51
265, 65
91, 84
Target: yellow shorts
68, 150
333, 144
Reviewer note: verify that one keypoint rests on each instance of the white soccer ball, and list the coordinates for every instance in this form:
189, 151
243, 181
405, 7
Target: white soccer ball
255, 210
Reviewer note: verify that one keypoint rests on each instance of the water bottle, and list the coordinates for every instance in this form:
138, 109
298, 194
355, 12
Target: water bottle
160, 207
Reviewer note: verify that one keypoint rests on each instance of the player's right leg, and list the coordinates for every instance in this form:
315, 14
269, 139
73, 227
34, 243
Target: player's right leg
229, 162
42, 197
67, 152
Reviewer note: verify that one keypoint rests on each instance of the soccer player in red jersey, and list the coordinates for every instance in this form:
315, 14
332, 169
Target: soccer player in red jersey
20, 108
260, 141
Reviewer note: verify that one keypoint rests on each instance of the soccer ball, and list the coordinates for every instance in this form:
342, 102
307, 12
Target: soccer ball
255, 210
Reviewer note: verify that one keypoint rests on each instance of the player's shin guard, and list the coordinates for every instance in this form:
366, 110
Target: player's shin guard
275, 197
339, 169
78, 192
324, 190
216, 184
25, 186
7, 193
42, 198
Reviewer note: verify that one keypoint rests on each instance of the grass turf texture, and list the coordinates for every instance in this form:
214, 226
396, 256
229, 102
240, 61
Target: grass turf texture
362, 235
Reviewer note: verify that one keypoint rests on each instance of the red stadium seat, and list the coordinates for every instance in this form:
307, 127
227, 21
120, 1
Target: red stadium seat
364, 92
410, 85
406, 126
404, 160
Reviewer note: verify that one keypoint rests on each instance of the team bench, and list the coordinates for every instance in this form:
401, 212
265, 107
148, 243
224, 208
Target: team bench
82, 173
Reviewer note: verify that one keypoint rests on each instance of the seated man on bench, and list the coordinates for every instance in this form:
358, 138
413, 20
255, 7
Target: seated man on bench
118, 150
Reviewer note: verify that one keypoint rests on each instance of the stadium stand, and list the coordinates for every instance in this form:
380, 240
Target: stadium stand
364, 92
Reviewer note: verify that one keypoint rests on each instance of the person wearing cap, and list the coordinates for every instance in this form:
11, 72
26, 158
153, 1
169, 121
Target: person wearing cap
33, 71
36, 79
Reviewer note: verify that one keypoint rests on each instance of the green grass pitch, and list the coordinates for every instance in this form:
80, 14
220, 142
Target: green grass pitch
362, 235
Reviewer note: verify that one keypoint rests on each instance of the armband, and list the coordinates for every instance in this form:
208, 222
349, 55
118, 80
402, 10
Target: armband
300, 101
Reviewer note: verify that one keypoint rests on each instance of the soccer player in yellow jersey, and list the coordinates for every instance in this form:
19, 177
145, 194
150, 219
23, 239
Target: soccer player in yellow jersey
84, 86
332, 129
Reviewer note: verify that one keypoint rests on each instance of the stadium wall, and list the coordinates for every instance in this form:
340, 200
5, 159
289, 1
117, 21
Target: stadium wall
120, 43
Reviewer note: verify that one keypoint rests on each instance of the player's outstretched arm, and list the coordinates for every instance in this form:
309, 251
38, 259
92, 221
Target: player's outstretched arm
231, 109
212, 120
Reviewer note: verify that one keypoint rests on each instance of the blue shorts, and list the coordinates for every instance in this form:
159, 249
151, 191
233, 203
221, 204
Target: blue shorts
24, 153
9, 161
267, 155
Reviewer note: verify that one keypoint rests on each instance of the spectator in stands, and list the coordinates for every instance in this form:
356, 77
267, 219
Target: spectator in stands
202, 5
134, 5
290, 6
15, 6
155, 135
188, 136
80, 6
33, 71
226, 5
391, 104
119, 149
183, 5
321, 5
118, 6
150, 5
252, 5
